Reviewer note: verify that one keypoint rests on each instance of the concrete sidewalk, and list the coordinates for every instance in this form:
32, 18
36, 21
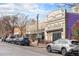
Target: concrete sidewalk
40, 45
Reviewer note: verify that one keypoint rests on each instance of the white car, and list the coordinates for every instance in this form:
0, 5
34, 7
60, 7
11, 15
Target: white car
10, 39
64, 46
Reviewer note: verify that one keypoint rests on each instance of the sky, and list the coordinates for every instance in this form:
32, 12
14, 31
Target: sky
32, 9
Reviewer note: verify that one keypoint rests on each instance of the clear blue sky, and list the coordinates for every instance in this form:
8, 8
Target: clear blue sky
32, 9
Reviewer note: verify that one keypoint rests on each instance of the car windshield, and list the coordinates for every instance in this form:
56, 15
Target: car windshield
75, 42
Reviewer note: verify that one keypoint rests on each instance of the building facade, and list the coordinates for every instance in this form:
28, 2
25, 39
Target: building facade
55, 25
75, 9
72, 26
31, 30
59, 24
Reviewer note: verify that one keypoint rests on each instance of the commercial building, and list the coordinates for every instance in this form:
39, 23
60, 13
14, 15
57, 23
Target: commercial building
59, 24
75, 9
56, 25
31, 30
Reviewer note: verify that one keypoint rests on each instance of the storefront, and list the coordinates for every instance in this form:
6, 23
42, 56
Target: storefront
57, 34
61, 24
56, 26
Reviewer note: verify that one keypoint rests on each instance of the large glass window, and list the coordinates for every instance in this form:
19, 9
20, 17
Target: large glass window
56, 35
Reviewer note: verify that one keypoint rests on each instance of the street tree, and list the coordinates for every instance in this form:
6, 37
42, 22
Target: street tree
21, 23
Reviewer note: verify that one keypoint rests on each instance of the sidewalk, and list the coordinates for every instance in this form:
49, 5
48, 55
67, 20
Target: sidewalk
40, 45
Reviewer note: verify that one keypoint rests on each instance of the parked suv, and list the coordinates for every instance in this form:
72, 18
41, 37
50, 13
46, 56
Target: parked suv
64, 46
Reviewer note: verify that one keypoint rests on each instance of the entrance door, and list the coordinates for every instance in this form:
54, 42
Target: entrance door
56, 35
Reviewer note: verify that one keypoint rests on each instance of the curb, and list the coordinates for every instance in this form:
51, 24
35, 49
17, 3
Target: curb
38, 46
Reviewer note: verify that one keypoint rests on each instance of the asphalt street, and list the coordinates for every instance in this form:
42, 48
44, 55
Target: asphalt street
7, 49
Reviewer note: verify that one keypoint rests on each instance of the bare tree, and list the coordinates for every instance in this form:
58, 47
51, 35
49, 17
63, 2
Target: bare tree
5, 24
8, 23
21, 23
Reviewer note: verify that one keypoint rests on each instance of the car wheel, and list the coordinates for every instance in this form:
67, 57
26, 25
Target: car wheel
63, 51
49, 49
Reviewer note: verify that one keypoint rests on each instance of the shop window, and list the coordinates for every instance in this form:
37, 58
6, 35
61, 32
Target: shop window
56, 35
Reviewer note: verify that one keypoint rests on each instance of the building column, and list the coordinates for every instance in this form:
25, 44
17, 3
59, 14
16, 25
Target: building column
64, 30
45, 34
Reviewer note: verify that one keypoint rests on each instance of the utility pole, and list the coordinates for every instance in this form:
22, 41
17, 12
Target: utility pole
37, 23
37, 29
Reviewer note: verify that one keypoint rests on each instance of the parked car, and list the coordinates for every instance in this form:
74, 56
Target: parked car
3, 38
64, 46
10, 39
18, 41
23, 41
13, 39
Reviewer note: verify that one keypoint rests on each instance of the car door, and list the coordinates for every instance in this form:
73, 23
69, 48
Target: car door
58, 45
61, 43
55, 45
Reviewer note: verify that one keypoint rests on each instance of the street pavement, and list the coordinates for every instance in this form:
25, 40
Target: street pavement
7, 49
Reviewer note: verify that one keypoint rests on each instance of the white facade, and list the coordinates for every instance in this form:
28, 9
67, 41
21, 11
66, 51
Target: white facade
55, 23
75, 9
